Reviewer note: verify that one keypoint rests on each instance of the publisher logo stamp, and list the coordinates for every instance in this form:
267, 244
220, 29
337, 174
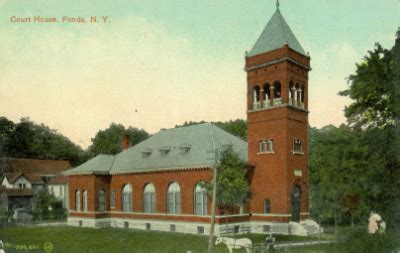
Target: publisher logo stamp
48, 247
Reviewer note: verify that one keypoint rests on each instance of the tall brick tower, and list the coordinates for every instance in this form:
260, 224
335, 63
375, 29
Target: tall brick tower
277, 114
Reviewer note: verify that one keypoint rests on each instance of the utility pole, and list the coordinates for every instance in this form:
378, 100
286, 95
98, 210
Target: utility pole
214, 195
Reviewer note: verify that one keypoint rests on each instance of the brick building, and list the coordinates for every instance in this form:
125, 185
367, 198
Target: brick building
157, 183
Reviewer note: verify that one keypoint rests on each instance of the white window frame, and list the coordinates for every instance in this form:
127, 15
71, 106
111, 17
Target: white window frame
149, 199
127, 201
102, 200
200, 205
297, 147
112, 199
173, 198
77, 201
266, 146
269, 205
85, 201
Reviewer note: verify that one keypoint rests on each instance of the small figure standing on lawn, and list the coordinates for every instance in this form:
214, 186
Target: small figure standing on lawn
382, 226
269, 242
374, 220
2, 247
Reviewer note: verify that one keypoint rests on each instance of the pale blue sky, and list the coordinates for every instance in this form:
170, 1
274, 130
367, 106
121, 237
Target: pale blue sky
171, 60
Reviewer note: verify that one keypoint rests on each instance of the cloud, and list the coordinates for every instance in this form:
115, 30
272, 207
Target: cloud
79, 79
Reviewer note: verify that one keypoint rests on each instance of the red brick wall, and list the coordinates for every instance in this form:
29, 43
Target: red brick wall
298, 129
92, 184
81, 183
279, 53
102, 183
273, 176
161, 180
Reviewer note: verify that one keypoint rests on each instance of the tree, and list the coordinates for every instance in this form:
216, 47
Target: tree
376, 111
237, 127
372, 91
5, 216
48, 207
6, 129
22, 139
108, 141
36, 141
232, 185
229, 186
337, 178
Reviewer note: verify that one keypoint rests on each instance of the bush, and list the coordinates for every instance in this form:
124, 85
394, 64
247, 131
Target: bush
359, 240
4, 216
47, 207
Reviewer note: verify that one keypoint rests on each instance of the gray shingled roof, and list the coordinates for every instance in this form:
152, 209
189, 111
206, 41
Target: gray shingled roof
275, 34
100, 164
164, 151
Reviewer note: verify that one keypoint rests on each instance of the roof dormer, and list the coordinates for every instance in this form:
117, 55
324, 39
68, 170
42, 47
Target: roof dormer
164, 150
146, 152
185, 148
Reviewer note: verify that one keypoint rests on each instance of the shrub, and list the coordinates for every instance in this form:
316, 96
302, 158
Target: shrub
359, 240
47, 207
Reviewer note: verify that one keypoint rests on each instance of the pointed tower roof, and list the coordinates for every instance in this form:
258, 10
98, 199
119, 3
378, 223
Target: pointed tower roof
275, 34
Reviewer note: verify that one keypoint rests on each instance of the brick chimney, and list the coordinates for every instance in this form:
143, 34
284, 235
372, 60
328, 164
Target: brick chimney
125, 142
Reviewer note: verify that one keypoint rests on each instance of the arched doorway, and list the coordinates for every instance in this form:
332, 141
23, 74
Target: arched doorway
296, 203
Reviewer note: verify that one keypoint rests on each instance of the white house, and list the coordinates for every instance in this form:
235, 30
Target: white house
21, 179
59, 188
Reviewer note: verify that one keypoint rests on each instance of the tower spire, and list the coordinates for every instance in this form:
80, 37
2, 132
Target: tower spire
277, 5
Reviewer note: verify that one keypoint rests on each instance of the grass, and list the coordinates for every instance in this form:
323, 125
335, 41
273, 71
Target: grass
82, 240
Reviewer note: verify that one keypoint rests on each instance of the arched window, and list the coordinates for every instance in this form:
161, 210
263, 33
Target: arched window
267, 206
277, 93
85, 204
267, 95
292, 93
77, 200
297, 94
174, 199
256, 94
256, 98
296, 203
200, 200
302, 95
102, 200
277, 90
127, 198
149, 199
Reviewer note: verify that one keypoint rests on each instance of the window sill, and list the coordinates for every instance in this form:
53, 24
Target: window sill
297, 153
265, 153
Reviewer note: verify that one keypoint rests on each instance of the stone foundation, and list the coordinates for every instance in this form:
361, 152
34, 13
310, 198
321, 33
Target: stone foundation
199, 228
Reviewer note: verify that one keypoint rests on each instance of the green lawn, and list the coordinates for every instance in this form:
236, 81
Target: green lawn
80, 240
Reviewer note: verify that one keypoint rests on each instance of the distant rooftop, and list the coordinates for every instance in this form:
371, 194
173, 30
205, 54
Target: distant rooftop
32, 166
32, 178
17, 191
